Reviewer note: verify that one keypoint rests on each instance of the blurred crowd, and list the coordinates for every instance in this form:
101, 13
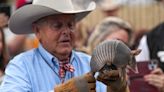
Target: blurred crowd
106, 25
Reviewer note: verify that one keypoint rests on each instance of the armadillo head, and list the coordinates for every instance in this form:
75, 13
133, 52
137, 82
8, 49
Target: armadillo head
113, 52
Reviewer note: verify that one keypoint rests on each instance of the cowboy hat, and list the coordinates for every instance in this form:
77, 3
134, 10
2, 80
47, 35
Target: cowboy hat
21, 21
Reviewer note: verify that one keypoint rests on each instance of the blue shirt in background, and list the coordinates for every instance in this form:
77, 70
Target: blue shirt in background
37, 71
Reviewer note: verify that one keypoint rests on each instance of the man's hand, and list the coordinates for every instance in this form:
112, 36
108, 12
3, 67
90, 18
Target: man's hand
86, 83
115, 79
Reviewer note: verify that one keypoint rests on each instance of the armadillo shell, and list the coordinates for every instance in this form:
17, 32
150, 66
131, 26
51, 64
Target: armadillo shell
110, 52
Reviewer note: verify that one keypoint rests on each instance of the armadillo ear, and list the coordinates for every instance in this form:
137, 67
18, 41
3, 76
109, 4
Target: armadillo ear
135, 52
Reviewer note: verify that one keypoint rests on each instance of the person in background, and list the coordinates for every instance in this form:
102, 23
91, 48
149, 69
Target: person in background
109, 7
54, 65
151, 45
14, 43
4, 57
105, 8
81, 39
111, 28
152, 48
17, 43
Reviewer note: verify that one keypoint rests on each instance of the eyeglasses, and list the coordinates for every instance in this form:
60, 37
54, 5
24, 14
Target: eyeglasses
58, 25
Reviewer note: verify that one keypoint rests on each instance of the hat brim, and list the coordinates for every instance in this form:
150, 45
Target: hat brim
21, 21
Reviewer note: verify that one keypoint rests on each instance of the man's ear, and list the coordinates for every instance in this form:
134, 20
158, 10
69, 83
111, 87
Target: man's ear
135, 52
35, 29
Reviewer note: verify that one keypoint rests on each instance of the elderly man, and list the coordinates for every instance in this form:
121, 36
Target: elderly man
54, 65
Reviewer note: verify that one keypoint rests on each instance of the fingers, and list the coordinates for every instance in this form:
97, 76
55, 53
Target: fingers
156, 80
92, 91
92, 86
100, 78
91, 82
113, 73
157, 71
109, 74
90, 78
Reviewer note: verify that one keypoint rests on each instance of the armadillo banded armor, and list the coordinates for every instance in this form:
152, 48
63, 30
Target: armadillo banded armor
110, 52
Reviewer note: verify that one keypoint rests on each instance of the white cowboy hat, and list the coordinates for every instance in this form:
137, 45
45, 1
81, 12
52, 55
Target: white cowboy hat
21, 21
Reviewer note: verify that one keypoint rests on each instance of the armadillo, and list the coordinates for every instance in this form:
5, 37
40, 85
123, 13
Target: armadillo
113, 53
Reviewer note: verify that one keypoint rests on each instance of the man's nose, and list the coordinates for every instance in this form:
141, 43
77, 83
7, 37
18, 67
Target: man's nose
66, 29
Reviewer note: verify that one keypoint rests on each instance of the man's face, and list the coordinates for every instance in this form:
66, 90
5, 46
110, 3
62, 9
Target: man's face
56, 34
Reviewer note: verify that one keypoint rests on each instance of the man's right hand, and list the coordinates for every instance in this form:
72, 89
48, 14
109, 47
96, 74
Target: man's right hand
114, 81
85, 83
